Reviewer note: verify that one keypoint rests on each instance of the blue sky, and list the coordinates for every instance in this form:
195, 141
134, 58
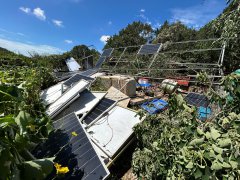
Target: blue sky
55, 26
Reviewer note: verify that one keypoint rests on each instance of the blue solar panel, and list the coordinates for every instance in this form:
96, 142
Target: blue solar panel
74, 79
75, 152
149, 49
198, 100
102, 106
107, 52
100, 61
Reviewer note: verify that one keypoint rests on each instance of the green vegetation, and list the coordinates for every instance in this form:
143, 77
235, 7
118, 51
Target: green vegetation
136, 33
175, 145
23, 123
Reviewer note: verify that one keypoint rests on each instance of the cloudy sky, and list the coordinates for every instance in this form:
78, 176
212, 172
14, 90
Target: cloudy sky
55, 26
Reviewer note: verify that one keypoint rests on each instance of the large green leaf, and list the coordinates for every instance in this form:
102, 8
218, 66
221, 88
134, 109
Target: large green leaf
217, 149
37, 169
216, 165
198, 174
23, 120
224, 142
8, 93
234, 164
189, 165
196, 141
6, 121
215, 133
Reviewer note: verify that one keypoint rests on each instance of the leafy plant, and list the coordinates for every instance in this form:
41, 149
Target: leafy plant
175, 145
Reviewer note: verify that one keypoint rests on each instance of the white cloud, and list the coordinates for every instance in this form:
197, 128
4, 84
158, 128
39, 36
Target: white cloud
104, 38
25, 10
12, 33
25, 49
20, 34
199, 15
57, 23
68, 41
145, 18
109, 22
39, 13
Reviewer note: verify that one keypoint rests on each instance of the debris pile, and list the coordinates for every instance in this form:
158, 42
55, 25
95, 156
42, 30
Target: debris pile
104, 106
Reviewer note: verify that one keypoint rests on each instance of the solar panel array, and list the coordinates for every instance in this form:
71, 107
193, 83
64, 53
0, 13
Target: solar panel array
107, 52
77, 77
102, 106
149, 49
75, 152
198, 100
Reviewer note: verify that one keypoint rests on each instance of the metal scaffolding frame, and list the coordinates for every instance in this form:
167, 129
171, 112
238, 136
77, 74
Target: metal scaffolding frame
124, 59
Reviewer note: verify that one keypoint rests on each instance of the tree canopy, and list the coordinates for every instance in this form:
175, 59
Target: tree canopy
174, 32
137, 33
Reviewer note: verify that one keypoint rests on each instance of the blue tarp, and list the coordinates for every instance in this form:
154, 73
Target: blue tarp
145, 85
204, 113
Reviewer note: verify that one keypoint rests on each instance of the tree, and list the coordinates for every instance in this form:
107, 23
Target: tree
80, 51
228, 23
174, 32
136, 33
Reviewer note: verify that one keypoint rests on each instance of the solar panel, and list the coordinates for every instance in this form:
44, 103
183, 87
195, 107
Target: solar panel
82, 105
100, 61
197, 100
76, 78
88, 72
102, 106
68, 97
107, 52
149, 49
75, 152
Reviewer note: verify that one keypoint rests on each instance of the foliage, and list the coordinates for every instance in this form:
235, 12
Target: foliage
81, 51
175, 145
23, 123
202, 79
226, 27
174, 32
136, 33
